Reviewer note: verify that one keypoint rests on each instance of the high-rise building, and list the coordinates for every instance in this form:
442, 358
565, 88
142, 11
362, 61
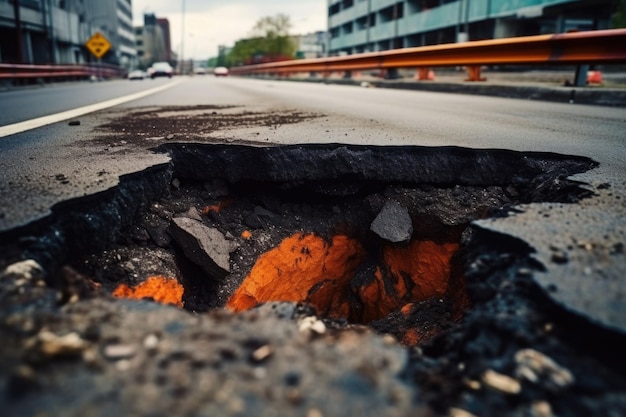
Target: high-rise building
114, 19
375, 25
153, 41
55, 31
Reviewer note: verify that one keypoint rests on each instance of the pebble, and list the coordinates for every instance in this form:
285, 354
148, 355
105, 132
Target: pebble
559, 257
541, 409
473, 385
501, 382
25, 270
117, 352
536, 367
51, 345
262, 353
311, 323
151, 342
458, 412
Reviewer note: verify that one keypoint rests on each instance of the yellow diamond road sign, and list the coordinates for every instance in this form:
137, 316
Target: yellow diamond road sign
98, 45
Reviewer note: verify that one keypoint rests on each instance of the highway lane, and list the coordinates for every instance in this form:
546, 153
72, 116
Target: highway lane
33, 162
21, 104
347, 114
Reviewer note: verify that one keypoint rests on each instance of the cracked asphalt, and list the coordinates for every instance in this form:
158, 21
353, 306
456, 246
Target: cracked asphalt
523, 349
580, 245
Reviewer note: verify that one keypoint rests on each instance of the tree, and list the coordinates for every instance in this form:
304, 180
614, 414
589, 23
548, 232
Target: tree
269, 41
619, 17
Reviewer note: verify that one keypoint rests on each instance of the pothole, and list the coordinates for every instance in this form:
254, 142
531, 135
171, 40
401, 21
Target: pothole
364, 235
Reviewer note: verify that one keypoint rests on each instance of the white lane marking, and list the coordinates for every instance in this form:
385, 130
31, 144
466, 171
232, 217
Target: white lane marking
69, 114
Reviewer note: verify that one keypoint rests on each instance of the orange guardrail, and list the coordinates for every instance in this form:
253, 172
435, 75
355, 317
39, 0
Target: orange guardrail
25, 71
592, 47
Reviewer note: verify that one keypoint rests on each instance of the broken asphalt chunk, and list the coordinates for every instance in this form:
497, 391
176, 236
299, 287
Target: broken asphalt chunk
205, 246
393, 223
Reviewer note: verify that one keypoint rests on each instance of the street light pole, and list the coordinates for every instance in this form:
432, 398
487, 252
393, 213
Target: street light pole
182, 41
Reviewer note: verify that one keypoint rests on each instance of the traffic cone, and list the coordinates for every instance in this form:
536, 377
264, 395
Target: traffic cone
594, 77
425, 74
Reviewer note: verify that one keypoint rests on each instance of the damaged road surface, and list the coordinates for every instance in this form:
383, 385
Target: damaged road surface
241, 276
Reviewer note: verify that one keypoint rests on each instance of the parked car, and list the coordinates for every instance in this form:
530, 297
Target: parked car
220, 71
160, 69
199, 70
136, 75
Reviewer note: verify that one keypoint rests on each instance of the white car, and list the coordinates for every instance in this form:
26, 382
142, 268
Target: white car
220, 71
136, 75
161, 69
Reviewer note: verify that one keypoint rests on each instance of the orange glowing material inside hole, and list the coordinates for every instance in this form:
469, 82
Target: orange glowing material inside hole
160, 289
303, 268
246, 234
408, 274
307, 268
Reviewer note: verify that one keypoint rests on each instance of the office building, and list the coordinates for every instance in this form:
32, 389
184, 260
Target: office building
376, 25
55, 31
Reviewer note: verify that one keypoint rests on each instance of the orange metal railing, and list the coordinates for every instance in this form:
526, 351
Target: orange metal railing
25, 71
593, 47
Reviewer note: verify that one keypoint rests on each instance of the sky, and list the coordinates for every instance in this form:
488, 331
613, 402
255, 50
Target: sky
210, 23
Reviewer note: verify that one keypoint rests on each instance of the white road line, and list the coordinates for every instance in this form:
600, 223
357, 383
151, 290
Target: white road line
69, 114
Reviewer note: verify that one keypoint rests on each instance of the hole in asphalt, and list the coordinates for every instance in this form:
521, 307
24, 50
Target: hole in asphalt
362, 234
368, 235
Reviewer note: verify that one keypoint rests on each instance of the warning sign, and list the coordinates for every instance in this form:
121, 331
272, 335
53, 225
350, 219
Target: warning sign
98, 45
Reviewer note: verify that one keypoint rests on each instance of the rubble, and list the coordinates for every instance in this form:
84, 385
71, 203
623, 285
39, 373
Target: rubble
393, 223
205, 246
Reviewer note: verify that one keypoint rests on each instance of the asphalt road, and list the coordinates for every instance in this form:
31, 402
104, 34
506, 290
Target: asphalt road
47, 165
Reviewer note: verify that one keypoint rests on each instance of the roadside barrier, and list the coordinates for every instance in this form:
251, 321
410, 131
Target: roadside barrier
50, 72
592, 47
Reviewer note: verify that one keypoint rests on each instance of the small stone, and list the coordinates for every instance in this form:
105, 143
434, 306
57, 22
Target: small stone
262, 353
393, 223
24, 270
541, 409
117, 352
92, 359
390, 340
205, 246
538, 368
559, 257
501, 382
312, 324
458, 412
151, 342
176, 183
314, 412
473, 385
50, 345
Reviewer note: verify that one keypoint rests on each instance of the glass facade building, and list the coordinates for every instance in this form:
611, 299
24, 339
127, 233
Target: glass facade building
357, 26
